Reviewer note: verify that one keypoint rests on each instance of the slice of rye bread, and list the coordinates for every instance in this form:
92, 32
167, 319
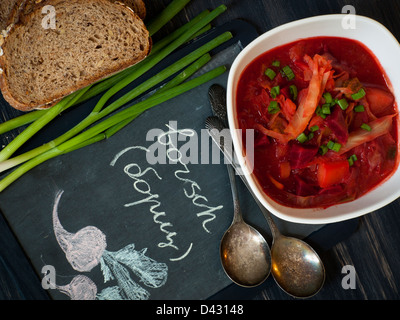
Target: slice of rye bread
93, 39
21, 8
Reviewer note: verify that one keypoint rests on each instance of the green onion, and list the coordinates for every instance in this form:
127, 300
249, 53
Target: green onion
96, 133
38, 124
21, 120
185, 74
352, 159
337, 147
323, 150
314, 128
343, 104
366, 127
275, 92
166, 15
293, 91
330, 145
319, 112
270, 73
310, 135
334, 146
302, 138
359, 108
328, 97
276, 63
326, 108
360, 94
273, 107
288, 72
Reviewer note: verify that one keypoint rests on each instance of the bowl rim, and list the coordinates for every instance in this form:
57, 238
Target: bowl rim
277, 209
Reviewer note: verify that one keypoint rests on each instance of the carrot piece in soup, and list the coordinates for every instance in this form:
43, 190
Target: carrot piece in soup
331, 173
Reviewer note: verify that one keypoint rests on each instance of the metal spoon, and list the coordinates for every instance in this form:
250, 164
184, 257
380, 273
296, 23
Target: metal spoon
244, 252
296, 267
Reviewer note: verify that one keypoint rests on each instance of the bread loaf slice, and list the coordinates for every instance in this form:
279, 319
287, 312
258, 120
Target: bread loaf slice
17, 10
92, 39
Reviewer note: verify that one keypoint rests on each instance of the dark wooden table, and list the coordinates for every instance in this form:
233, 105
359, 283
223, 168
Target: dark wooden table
372, 249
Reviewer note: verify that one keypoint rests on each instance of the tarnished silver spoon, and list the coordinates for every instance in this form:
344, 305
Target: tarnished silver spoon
296, 267
245, 254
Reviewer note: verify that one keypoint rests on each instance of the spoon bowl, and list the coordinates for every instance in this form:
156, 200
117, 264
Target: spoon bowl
245, 256
244, 253
296, 267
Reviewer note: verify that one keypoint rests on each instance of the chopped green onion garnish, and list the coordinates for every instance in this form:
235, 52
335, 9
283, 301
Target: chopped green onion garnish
273, 107
293, 91
352, 159
276, 63
326, 108
288, 72
330, 145
328, 97
336, 147
366, 127
323, 149
302, 138
275, 92
314, 128
351, 162
343, 104
320, 113
360, 94
359, 108
270, 73
311, 135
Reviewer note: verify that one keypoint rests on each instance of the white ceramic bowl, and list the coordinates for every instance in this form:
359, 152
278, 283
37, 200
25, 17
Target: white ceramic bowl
386, 49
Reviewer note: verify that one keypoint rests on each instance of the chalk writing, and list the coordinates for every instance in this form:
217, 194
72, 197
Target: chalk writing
169, 139
140, 185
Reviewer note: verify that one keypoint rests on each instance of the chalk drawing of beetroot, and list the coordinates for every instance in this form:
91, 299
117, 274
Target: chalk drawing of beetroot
83, 249
80, 288
86, 249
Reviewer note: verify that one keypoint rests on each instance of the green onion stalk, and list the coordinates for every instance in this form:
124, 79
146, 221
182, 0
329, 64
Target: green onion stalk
97, 113
99, 132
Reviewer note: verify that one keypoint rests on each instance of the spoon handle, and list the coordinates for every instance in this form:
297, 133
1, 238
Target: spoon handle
214, 126
237, 212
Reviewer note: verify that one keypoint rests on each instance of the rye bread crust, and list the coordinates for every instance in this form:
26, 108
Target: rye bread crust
18, 103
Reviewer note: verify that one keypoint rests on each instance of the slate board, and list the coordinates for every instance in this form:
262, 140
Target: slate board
162, 223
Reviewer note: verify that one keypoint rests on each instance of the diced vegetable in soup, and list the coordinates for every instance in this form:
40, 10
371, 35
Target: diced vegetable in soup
325, 121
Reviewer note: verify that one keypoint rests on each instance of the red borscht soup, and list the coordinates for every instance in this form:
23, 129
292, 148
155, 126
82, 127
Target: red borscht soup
325, 121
